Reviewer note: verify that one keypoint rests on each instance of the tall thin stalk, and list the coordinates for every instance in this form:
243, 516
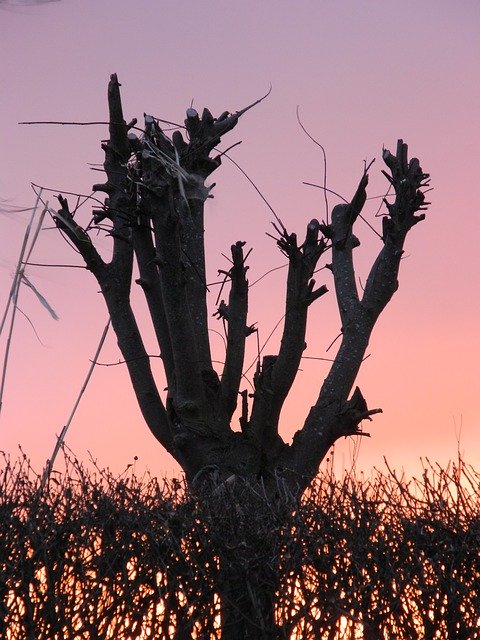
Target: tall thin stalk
15, 288
63, 433
20, 262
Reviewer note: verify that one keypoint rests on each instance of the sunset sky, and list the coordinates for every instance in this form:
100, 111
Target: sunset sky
363, 74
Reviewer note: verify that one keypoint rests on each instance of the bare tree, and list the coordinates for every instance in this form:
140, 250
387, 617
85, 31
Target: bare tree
154, 212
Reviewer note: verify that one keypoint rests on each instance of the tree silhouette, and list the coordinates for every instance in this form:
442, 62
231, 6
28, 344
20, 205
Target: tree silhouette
154, 211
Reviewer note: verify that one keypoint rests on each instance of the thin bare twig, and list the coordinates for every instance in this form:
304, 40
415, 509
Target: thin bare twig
325, 190
115, 364
282, 266
256, 189
41, 264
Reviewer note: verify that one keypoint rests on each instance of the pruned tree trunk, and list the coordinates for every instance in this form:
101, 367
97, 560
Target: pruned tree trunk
246, 542
246, 613
154, 212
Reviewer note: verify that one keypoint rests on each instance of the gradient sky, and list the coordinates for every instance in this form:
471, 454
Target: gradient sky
364, 73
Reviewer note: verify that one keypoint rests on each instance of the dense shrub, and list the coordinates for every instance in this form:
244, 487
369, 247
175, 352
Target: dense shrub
95, 556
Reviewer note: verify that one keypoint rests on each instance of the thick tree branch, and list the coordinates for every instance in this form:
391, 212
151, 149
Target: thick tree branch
125, 326
343, 242
115, 278
188, 390
278, 373
192, 167
235, 315
301, 293
160, 180
193, 248
120, 202
204, 134
149, 280
333, 415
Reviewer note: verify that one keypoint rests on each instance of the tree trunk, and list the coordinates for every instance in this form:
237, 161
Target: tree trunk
245, 522
247, 601
248, 481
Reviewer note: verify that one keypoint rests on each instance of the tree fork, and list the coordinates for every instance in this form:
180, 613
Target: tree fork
156, 193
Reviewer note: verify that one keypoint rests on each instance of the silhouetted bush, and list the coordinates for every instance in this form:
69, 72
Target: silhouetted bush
96, 556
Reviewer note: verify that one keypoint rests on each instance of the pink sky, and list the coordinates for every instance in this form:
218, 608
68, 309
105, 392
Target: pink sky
364, 74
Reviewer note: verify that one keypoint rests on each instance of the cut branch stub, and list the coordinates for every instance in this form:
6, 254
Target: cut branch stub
407, 179
314, 294
205, 134
154, 133
78, 236
359, 199
222, 312
311, 237
354, 411
118, 127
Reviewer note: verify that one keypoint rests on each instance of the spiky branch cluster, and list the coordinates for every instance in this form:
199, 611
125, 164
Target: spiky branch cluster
156, 190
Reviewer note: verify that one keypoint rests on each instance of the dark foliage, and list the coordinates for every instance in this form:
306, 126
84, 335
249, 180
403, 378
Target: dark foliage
97, 556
